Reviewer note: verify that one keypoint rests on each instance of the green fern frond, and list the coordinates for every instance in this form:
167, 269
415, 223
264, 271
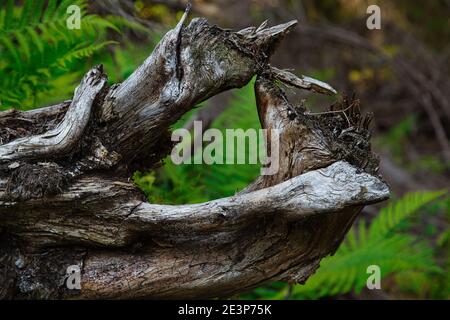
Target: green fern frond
176, 182
393, 252
226, 180
343, 272
36, 46
377, 245
123, 23
83, 50
396, 212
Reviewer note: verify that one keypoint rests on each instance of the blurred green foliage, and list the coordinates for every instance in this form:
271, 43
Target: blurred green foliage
396, 138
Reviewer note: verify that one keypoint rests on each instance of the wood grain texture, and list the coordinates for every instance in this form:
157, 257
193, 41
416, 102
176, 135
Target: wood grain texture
66, 196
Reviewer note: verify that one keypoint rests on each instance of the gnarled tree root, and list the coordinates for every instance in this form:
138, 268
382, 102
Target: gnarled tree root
66, 199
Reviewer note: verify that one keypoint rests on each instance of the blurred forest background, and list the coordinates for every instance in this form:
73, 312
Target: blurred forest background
400, 73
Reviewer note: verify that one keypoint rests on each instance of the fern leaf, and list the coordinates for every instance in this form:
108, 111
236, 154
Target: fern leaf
390, 216
26, 13
24, 44
9, 15
392, 252
61, 10
34, 37
50, 10
37, 11
36, 40
11, 49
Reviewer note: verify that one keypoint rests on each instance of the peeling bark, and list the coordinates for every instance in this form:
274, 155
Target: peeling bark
66, 198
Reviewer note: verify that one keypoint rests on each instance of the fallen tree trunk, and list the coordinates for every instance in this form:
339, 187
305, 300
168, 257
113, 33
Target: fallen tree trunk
66, 196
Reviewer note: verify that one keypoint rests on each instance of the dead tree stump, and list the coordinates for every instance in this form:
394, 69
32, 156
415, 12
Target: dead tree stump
66, 196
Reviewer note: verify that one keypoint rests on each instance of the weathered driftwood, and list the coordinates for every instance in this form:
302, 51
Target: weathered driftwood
66, 197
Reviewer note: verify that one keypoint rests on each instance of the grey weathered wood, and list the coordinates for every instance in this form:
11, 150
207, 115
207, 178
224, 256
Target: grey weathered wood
122, 216
61, 139
302, 82
278, 228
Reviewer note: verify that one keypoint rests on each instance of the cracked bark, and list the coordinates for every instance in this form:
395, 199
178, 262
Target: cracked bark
66, 198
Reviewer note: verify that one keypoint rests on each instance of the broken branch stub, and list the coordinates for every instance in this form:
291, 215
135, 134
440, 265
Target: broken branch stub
66, 198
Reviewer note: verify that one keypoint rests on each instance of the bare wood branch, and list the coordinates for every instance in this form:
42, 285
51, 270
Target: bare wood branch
302, 82
61, 139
